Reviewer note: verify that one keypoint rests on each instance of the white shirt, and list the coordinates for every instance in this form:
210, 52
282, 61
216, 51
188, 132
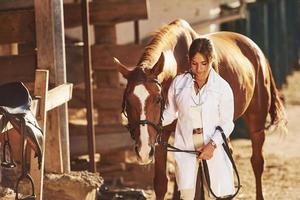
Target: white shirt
196, 107
217, 110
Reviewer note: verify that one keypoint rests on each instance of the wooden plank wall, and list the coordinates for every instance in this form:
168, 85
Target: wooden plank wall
106, 74
104, 15
18, 25
16, 67
107, 12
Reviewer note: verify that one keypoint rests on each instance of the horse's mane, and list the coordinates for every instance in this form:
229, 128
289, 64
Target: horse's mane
164, 39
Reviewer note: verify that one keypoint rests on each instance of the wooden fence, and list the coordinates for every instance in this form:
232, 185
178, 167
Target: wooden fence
274, 26
31, 39
104, 16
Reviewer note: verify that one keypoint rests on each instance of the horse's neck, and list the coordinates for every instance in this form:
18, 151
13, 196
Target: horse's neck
169, 68
165, 87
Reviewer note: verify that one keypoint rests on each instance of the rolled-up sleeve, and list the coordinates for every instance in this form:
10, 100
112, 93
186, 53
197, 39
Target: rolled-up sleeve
226, 111
170, 112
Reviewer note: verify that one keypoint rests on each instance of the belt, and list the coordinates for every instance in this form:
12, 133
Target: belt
197, 131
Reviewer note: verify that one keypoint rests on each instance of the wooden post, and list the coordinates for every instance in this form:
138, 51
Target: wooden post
283, 41
61, 78
273, 40
105, 34
136, 32
40, 90
88, 83
51, 55
293, 32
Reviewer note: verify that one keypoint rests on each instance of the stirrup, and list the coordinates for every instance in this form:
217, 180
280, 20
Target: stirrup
29, 197
5, 162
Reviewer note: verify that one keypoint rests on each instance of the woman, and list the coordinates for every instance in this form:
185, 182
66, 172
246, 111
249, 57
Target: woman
201, 100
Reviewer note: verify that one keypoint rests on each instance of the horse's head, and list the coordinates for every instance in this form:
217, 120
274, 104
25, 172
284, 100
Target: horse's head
143, 104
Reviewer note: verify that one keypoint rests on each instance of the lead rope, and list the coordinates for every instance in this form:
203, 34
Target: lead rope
225, 145
206, 171
171, 148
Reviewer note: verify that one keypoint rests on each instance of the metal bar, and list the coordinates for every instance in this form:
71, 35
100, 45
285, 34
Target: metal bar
136, 32
88, 83
223, 19
218, 20
61, 78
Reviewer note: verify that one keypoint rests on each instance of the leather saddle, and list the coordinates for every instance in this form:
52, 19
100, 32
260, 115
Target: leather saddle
15, 102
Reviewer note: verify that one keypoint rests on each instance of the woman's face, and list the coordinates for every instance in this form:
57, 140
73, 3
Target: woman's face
200, 66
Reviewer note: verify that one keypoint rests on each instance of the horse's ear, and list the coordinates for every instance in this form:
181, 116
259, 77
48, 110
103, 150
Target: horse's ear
122, 68
159, 66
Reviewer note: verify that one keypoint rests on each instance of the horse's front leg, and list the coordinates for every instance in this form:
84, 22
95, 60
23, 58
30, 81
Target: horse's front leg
160, 173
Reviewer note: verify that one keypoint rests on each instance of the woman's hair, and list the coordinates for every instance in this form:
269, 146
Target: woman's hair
203, 46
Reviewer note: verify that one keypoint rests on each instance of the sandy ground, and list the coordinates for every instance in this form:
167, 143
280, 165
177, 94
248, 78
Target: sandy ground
281, 178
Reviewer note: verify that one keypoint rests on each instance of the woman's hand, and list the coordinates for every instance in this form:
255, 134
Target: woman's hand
207, 151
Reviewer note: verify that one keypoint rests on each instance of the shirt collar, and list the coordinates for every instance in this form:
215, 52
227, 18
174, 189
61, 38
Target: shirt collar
211, 76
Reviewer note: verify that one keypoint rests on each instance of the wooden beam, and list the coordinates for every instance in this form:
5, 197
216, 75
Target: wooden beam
107, 78
27, 49
238, 14
15, 4
17, 26
104, 98
59, 95
76, 129
40, 90
105, 34
102, 55
109, 116
45, 37
105, 142
102, 58
20, 68
61, 78
107, 12
218, 20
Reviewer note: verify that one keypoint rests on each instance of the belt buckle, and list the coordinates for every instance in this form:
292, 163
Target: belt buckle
197, 131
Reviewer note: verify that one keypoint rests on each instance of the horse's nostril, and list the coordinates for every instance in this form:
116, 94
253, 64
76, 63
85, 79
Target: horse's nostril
136, 148
151, 152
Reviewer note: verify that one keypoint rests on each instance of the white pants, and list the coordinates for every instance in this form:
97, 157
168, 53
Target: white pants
189, 194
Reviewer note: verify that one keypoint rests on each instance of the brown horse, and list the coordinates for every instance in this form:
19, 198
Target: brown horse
240, 62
